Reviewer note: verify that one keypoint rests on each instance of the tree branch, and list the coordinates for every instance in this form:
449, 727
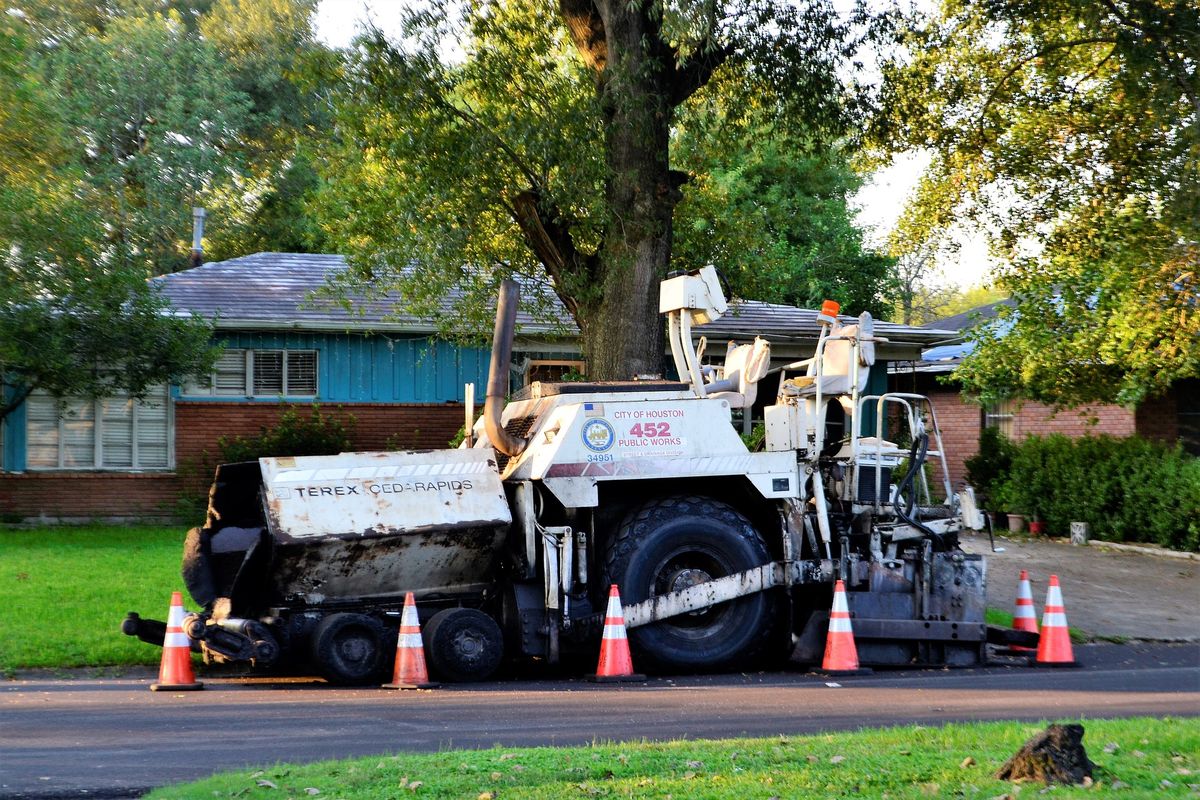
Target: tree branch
1038, 54
552, 243
692, 76
471, 119
1152, 33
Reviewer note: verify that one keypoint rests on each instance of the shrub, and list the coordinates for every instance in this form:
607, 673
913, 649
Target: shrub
318, 435
1126, 489
292, 435
986, 468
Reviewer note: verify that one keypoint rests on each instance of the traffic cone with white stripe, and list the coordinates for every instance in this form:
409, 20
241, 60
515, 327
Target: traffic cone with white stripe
1054, 646
616, 663
1024, 618
175, 672
410, 671
841, 656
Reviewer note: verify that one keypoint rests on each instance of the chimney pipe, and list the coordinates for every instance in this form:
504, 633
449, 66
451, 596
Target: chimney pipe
197, 236
497, 388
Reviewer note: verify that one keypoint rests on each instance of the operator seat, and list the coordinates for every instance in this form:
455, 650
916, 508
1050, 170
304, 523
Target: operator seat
745, 365
836, 369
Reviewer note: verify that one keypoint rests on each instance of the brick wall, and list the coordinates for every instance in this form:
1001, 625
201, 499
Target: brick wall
1035, 418
961, 422
428, 426
83, 496
80, 496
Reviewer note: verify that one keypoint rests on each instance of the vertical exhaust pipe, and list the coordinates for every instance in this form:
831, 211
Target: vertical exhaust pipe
497, 388
197, 257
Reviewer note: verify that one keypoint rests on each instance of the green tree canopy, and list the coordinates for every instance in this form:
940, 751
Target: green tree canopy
157, 124
779, 222
183, 103
532, 139
74, 318
1071, 132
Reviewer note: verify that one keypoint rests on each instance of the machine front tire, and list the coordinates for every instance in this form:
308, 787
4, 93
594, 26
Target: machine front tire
670, 544
347, 649
463, 645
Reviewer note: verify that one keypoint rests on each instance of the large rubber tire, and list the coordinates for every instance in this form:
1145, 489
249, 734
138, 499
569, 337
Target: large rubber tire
463, 645
670, 544
348, 649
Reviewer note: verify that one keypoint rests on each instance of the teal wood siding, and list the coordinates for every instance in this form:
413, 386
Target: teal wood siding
12, 431
376, 369
877, 384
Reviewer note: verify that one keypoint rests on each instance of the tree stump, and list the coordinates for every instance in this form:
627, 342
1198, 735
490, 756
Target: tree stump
1055, 755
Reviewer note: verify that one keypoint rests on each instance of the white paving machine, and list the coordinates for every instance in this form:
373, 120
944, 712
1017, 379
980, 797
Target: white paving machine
725, 557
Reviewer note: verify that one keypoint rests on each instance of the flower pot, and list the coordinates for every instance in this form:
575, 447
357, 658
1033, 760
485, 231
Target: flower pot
1016, 522
1037, 527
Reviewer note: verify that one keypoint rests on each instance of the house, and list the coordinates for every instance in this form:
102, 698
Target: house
1172, 417
404, 387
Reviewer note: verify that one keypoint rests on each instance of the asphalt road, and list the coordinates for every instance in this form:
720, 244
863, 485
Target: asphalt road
114, 738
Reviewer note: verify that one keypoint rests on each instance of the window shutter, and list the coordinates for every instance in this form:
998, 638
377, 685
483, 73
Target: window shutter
116, 431
68, 440
268, 372
41, 431
302, 372
230, 373
152, 431
79, 435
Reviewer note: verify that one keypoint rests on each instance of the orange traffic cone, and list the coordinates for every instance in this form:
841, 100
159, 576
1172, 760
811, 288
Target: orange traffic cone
175, 672
1054, 646
1023, 616
616, 663
841, 656
410, 672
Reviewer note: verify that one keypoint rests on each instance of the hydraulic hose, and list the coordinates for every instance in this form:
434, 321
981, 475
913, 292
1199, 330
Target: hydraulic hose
906, 491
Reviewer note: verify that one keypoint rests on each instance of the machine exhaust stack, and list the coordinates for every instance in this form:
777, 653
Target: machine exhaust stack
497, 388
197, 256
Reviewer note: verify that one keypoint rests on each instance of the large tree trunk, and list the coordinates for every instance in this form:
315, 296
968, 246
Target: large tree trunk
624, 333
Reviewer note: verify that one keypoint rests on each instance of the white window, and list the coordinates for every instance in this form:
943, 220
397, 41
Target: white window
110, 433
260, 373
1000, 415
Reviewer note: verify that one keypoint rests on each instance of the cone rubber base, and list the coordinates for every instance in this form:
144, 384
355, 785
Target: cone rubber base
1009, 651
844, 673
1033, 662
411, 685
177, 687
634, 678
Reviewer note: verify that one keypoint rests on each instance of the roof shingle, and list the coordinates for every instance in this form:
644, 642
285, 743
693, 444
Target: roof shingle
273, 291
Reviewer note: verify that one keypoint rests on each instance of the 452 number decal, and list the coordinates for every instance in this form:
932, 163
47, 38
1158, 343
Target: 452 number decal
650, 430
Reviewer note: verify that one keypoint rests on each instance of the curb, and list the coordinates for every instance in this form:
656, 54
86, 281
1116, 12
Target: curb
1145, 550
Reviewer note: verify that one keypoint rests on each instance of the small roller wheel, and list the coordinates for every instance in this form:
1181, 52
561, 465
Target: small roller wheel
348, 649
463, 644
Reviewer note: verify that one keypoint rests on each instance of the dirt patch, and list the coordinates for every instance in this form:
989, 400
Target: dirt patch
1107, 593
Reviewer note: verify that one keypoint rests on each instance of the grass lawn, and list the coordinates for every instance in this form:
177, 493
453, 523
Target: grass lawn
65, 590
1135, 758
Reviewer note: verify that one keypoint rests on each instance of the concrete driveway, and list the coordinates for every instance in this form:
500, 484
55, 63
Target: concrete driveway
1107, 592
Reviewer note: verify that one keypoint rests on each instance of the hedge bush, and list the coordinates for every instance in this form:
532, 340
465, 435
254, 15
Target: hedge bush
292, 435
1126, 489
